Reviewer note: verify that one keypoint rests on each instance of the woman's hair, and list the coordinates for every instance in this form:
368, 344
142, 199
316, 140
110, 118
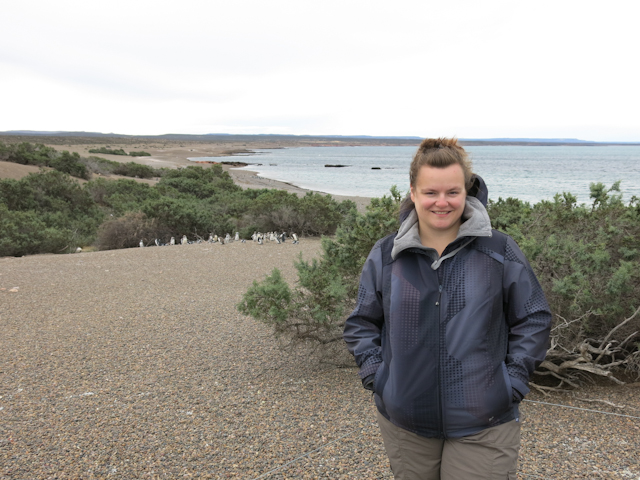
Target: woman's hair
437, 153
440, 153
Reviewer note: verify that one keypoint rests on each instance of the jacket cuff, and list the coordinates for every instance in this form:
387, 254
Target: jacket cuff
370, 366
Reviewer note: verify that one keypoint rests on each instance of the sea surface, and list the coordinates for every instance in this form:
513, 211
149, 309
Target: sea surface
530, 173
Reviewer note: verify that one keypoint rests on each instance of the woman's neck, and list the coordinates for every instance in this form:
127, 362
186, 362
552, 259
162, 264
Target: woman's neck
437, 239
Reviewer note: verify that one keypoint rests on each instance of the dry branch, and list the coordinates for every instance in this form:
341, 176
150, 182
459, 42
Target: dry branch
599, 357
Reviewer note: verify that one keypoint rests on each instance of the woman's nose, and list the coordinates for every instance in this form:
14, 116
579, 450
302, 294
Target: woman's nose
441, 200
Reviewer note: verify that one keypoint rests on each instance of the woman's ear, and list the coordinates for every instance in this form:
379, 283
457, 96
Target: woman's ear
412, 196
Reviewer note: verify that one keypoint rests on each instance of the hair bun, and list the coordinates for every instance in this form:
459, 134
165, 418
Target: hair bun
429, 143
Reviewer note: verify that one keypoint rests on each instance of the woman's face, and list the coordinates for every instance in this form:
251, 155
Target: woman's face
439, 196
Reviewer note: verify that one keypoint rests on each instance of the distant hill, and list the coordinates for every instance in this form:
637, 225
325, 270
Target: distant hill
528, 140
60, 134
363, 139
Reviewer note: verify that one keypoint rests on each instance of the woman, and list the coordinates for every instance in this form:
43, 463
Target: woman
449, 325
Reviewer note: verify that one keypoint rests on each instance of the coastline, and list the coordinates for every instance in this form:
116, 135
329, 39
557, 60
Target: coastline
250, 179
176, 154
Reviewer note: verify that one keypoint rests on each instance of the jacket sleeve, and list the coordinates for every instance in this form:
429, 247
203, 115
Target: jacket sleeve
528, 317
363, 328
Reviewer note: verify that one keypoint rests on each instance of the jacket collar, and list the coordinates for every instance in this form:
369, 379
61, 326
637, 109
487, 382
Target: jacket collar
475, 223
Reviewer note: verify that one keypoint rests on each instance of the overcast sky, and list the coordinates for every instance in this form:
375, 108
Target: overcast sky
474, 69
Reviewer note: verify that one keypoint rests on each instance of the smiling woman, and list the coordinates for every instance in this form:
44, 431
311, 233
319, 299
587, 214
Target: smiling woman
469, 325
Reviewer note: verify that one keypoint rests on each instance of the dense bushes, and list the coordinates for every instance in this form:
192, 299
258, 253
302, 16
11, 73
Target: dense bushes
108, 151
27, 154
192, 201
132, 169
43, 156
587, 258
72, 163
119, 151
46, 213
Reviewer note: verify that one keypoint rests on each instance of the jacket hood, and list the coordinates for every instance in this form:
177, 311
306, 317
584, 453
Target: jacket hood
479, 189
475, 222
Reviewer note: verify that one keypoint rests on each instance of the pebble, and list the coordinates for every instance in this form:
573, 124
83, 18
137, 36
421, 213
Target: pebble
136, 364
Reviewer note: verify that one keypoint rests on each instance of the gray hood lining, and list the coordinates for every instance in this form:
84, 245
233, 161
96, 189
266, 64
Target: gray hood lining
476, 223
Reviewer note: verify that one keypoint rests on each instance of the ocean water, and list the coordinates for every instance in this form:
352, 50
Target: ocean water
530, 173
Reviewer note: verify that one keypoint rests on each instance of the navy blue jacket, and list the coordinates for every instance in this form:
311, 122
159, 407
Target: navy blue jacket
452, 340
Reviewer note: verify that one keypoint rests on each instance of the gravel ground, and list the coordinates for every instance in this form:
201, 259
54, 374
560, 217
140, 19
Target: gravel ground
135, 364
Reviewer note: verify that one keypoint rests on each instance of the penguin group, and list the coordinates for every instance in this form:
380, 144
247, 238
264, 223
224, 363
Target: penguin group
257, 237
275, 237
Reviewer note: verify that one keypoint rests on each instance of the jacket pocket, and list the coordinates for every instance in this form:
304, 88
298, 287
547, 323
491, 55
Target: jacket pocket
507, 382
377, 386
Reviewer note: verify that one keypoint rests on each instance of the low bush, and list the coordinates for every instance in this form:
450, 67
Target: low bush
25, 233
132, 169
119, 151
40, 155
312, 314
47, 212
70, 163
27, 153
103, 166
108, 151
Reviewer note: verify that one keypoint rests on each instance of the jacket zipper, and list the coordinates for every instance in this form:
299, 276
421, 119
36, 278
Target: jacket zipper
440, 399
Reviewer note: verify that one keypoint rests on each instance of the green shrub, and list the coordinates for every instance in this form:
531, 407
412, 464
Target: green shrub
103, 166
586, 256
139, 154
27, 154
120, 196
278, 210
132, 169
71, 164
24, 233
57, 202
313, 314
188, 216
198, 182
40, 155
108, 151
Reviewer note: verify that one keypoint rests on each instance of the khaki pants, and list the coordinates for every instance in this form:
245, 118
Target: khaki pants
491, 454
